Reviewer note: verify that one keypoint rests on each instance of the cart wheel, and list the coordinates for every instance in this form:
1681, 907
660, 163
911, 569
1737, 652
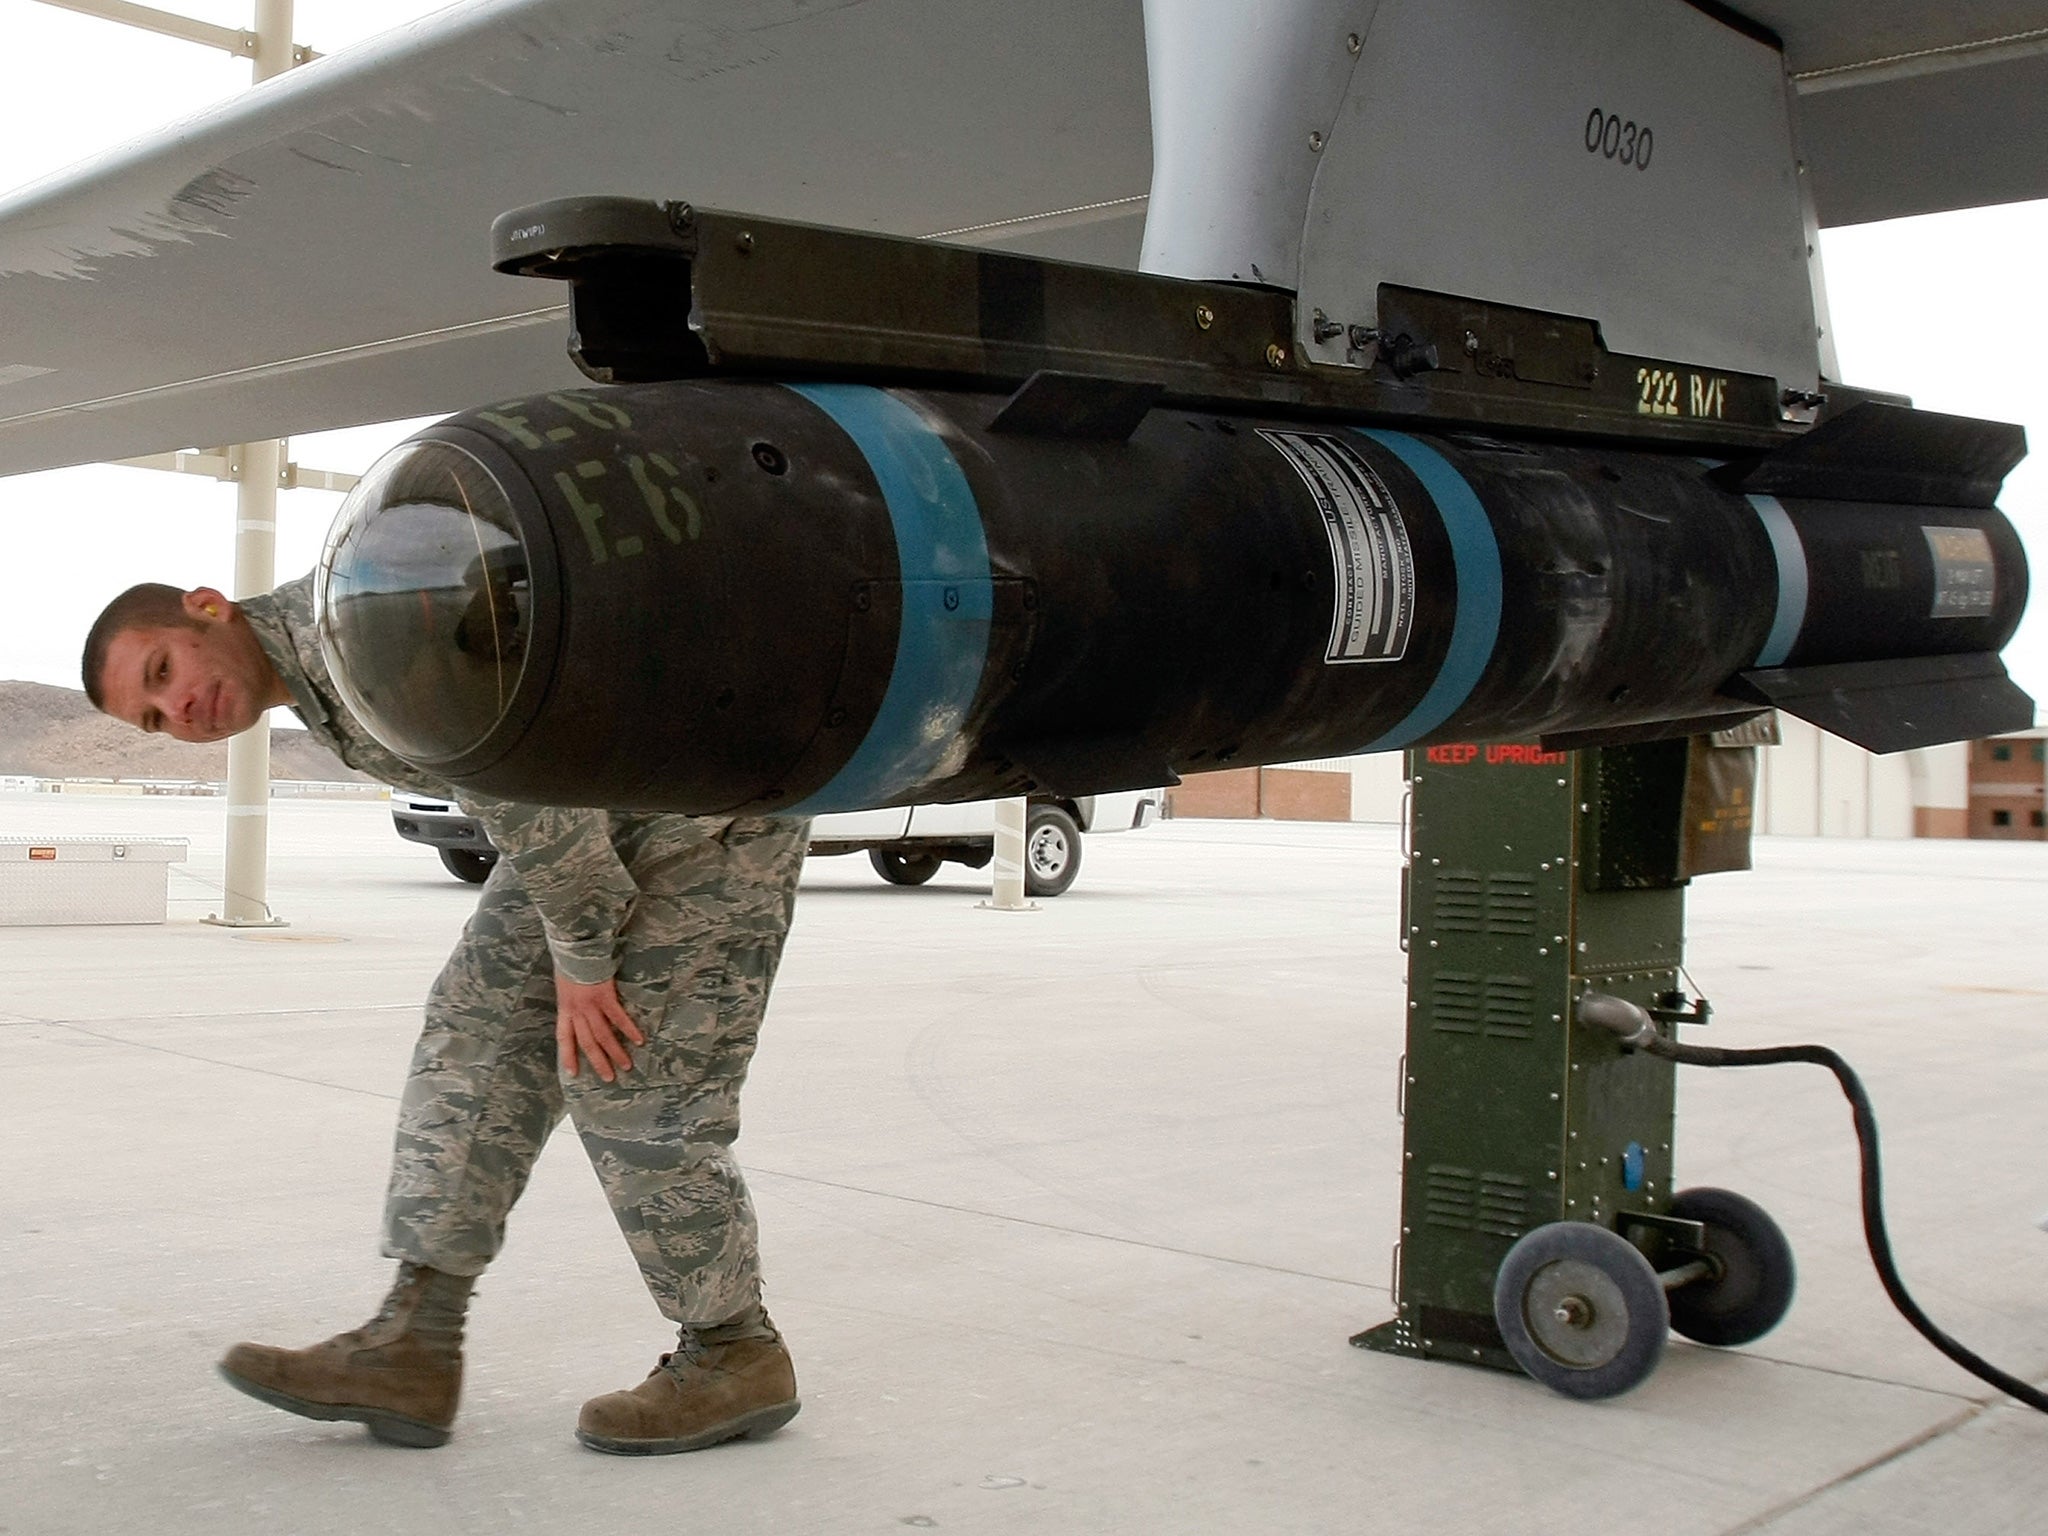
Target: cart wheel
1751, 1289
1581, 1309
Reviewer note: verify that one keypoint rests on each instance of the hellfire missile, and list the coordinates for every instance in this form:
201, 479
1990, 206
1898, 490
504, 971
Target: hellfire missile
863, 521
736, 594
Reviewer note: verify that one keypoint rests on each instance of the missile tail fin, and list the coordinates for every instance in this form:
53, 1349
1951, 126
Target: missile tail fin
1893, 706
1646, 730
1887, 453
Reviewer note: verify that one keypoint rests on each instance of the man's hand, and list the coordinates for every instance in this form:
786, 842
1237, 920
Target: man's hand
589, 1020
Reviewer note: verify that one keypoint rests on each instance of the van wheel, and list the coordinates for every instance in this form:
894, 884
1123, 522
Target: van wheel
1052, 851
468, 865
900, 868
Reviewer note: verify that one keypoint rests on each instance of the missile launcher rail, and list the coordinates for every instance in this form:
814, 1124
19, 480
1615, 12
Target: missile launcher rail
662, 291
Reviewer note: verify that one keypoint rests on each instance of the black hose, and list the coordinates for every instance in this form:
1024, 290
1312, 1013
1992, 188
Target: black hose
1873, 1207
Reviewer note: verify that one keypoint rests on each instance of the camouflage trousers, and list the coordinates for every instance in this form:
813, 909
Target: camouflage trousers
696, 960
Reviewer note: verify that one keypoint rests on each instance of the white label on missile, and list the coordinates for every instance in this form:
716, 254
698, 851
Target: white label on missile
1965, 575
1375, 568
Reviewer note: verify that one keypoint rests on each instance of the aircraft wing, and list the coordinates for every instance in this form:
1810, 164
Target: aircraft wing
313, 254
1909, 108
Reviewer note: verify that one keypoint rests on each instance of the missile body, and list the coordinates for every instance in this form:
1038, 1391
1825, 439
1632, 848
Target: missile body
734, 595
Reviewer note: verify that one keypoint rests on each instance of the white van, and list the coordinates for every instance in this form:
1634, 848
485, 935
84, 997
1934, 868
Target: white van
906, 844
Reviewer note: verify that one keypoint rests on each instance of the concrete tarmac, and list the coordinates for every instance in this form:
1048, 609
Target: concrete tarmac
1067, 1214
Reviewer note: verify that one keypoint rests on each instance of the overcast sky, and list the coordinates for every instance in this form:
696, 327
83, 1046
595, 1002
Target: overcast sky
1947, 309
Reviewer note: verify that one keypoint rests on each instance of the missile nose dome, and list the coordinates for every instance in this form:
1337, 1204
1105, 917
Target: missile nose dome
427, 604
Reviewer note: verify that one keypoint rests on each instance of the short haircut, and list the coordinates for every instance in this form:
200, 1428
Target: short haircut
149, 605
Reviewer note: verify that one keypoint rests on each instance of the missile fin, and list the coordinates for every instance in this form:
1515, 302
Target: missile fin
1892, 706
1055, 404
1091, 766
1647, 730
1887, 453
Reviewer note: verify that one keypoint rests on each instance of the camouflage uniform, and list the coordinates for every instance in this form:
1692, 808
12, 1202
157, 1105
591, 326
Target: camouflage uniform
689, 914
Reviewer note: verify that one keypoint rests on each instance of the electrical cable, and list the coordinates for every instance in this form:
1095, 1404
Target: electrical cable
1873, 1207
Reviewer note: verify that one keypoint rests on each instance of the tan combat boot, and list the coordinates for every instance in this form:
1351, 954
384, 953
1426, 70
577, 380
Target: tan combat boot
730, 1382
400, 1373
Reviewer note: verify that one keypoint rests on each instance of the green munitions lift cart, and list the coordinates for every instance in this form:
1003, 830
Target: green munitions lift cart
1539, 1227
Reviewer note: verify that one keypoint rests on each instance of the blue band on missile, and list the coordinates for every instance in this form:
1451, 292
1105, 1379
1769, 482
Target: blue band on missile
1475, 556
1791, 558
948, 600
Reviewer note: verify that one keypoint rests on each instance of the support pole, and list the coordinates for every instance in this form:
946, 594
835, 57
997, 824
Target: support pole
1008, 892
261, 466
248, 833
274, 54
165, 24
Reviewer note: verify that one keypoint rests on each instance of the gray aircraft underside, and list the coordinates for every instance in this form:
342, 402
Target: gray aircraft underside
313, 254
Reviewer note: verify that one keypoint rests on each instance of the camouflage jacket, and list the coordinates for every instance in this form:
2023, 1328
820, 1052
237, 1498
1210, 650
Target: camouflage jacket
566, 858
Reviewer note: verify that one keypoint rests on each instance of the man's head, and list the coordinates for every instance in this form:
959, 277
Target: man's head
183, 663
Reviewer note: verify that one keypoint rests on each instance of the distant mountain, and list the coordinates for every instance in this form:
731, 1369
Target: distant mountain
55, 733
